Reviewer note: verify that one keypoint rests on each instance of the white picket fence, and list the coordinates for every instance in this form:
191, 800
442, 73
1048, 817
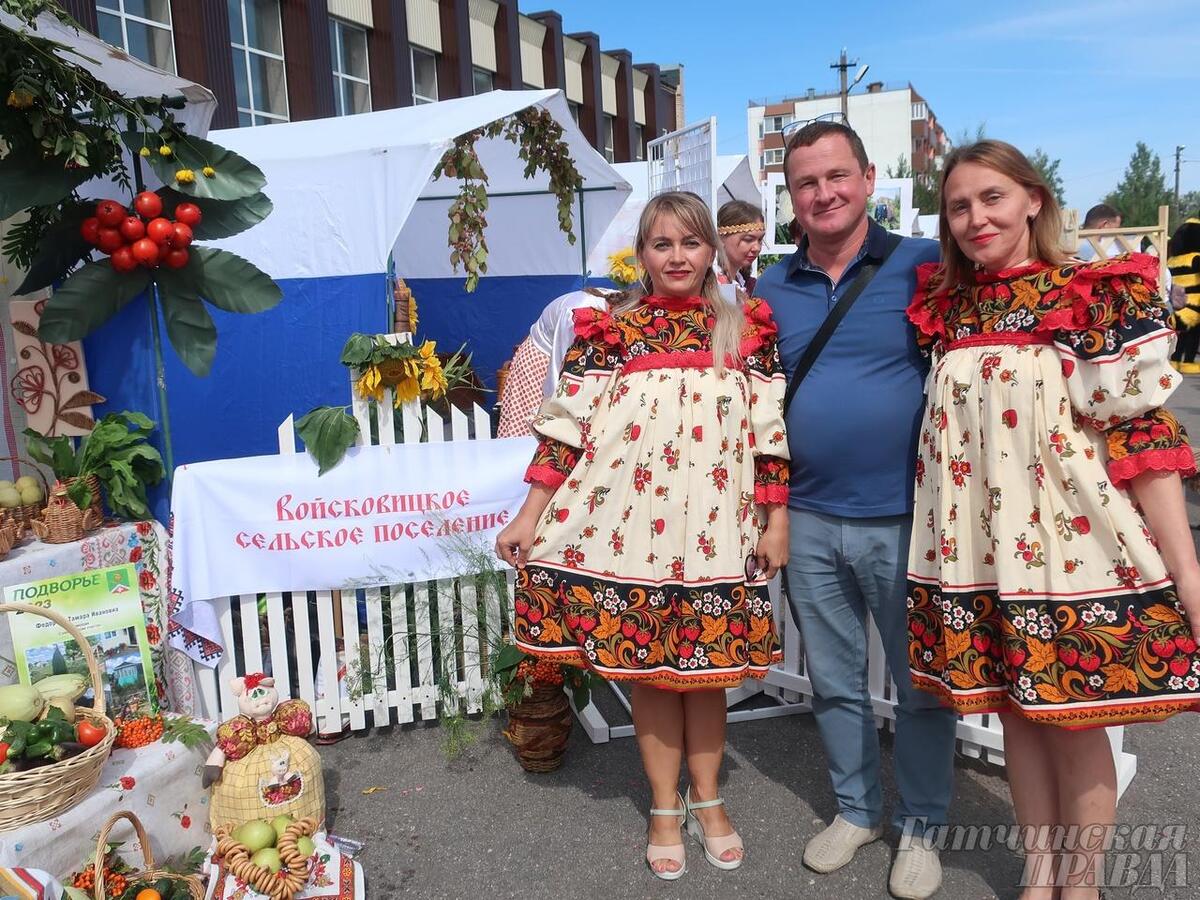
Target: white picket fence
422, 648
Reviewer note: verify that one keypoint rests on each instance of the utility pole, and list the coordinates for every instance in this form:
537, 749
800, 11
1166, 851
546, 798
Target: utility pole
1178, 152
843, 65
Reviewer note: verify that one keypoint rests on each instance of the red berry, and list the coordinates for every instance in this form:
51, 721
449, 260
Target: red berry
181, 236
188, 214
123, 259
148, 204
90, 229
145, 251
110, 213
176, 259
109, 239
132, 229
159, 230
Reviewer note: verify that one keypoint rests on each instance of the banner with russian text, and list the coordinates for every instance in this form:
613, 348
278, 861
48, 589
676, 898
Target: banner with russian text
384, 515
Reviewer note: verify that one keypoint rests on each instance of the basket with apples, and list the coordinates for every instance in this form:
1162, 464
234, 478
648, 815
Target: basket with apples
272, 855
21, 501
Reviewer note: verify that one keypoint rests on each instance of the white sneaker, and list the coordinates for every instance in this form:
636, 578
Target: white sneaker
916, 873
835, 846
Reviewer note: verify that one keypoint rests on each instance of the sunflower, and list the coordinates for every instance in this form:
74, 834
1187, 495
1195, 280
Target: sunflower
370, 384
623, 267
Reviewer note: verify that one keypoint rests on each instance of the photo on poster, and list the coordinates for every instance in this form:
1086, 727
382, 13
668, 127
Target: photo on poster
891, 204
106, 606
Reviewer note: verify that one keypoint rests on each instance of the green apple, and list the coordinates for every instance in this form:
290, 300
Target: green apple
5, 483
30, 494
23, 481
267, 858
9, 497
305, 846
255, 835
280, 823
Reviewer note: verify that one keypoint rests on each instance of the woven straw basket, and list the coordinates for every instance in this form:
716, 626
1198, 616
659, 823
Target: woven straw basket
149, 874
539, 728
62, 522
234, 857
23, 515
41, 793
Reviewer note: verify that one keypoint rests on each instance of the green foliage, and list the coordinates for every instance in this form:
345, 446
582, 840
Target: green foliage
88, 299
221, 218
233, 176
927, 188
1048, 169
328, 432
183, 730
116, 451
56, 248
541, 145
1142, 190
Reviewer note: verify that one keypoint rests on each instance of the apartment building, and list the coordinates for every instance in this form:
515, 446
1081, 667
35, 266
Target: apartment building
286, 60
893, 122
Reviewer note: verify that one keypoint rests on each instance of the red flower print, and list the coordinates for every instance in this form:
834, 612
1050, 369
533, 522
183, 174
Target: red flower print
572, 556
1068, 366
719, 476
677, 568
641, 478
152, 632
990, 364
562, 513
1081, 524
1179, 666
143, 528
572, 389
135, 554
185, 821
634, 431
1009, 418
920, 471
698, 433
64, 357
670, 455
127, 783
659, 525
146, 580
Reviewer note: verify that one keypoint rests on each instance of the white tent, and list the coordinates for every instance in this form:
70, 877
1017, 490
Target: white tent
734, 179
349, 191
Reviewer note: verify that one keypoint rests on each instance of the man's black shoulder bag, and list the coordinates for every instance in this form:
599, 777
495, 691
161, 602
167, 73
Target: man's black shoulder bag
821, 338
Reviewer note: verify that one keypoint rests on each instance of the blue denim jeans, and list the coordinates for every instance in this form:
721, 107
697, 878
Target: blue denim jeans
839, 570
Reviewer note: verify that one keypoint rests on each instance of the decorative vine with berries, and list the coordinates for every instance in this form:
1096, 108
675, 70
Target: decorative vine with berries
540, 143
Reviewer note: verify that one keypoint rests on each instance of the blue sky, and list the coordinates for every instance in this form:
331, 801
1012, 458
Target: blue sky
1083, 80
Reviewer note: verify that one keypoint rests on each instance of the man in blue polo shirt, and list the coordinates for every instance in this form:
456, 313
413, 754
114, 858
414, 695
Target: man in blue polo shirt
852, 431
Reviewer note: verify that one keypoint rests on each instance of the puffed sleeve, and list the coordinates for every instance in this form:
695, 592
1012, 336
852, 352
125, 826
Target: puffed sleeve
929, 306
235, 737
563, 421
294, 717
768, 384
1116, 351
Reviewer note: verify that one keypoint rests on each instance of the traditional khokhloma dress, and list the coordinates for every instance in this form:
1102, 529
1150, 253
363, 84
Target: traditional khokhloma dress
638, 568
1034, 584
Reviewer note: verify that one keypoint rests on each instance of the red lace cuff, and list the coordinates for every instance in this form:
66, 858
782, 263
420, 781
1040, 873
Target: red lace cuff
770, 493
546, 475
760, 328
927, 311
1174, 459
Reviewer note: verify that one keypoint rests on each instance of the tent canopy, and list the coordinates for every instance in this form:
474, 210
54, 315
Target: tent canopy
349, 191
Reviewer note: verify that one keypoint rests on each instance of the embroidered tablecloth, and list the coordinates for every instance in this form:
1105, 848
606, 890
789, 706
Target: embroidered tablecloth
142, 543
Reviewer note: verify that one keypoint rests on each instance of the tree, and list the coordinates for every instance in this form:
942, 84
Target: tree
927, 190
1189, 206
1048, 169
1143, 189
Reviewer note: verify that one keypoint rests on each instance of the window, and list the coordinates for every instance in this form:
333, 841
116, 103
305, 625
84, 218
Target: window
640, 148
609, 143
772, 124
482, 80
574, 108
256, 36
920, 110
772, 157
351, 73
424, 66
142, 28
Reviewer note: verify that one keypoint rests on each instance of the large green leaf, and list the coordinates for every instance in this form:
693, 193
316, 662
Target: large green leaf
26, 181
327, 432
189, 326
220, 218
234, 176
61, 248
227, 281
88, 299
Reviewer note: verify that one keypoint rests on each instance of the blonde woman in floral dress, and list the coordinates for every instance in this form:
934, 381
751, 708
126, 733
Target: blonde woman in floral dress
656, 514
1037, 589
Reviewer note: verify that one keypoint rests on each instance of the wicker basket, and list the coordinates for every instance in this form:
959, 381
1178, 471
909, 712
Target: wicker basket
62, 521
97, 504
234, 857
10, 533
42, 793
149, 874
24, 515
539, 727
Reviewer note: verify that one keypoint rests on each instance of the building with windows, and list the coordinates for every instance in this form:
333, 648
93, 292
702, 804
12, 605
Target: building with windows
893, 122
286, 60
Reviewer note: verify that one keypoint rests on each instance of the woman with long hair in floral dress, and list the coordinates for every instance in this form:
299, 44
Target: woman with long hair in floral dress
1037, 588
657, 513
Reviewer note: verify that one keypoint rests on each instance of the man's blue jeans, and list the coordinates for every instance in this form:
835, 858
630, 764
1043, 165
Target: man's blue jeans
839, 570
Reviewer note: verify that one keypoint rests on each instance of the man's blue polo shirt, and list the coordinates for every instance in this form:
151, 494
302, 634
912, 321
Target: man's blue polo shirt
853, 425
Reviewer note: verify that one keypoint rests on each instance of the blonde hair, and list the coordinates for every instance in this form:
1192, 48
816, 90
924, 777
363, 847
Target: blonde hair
1045, 230
694, 218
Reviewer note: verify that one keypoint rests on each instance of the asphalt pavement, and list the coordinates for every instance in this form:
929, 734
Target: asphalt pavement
479, 826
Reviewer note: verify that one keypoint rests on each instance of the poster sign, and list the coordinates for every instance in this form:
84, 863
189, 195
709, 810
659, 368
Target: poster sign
106, 606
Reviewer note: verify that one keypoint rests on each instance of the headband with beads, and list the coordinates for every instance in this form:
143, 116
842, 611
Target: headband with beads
741, 229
